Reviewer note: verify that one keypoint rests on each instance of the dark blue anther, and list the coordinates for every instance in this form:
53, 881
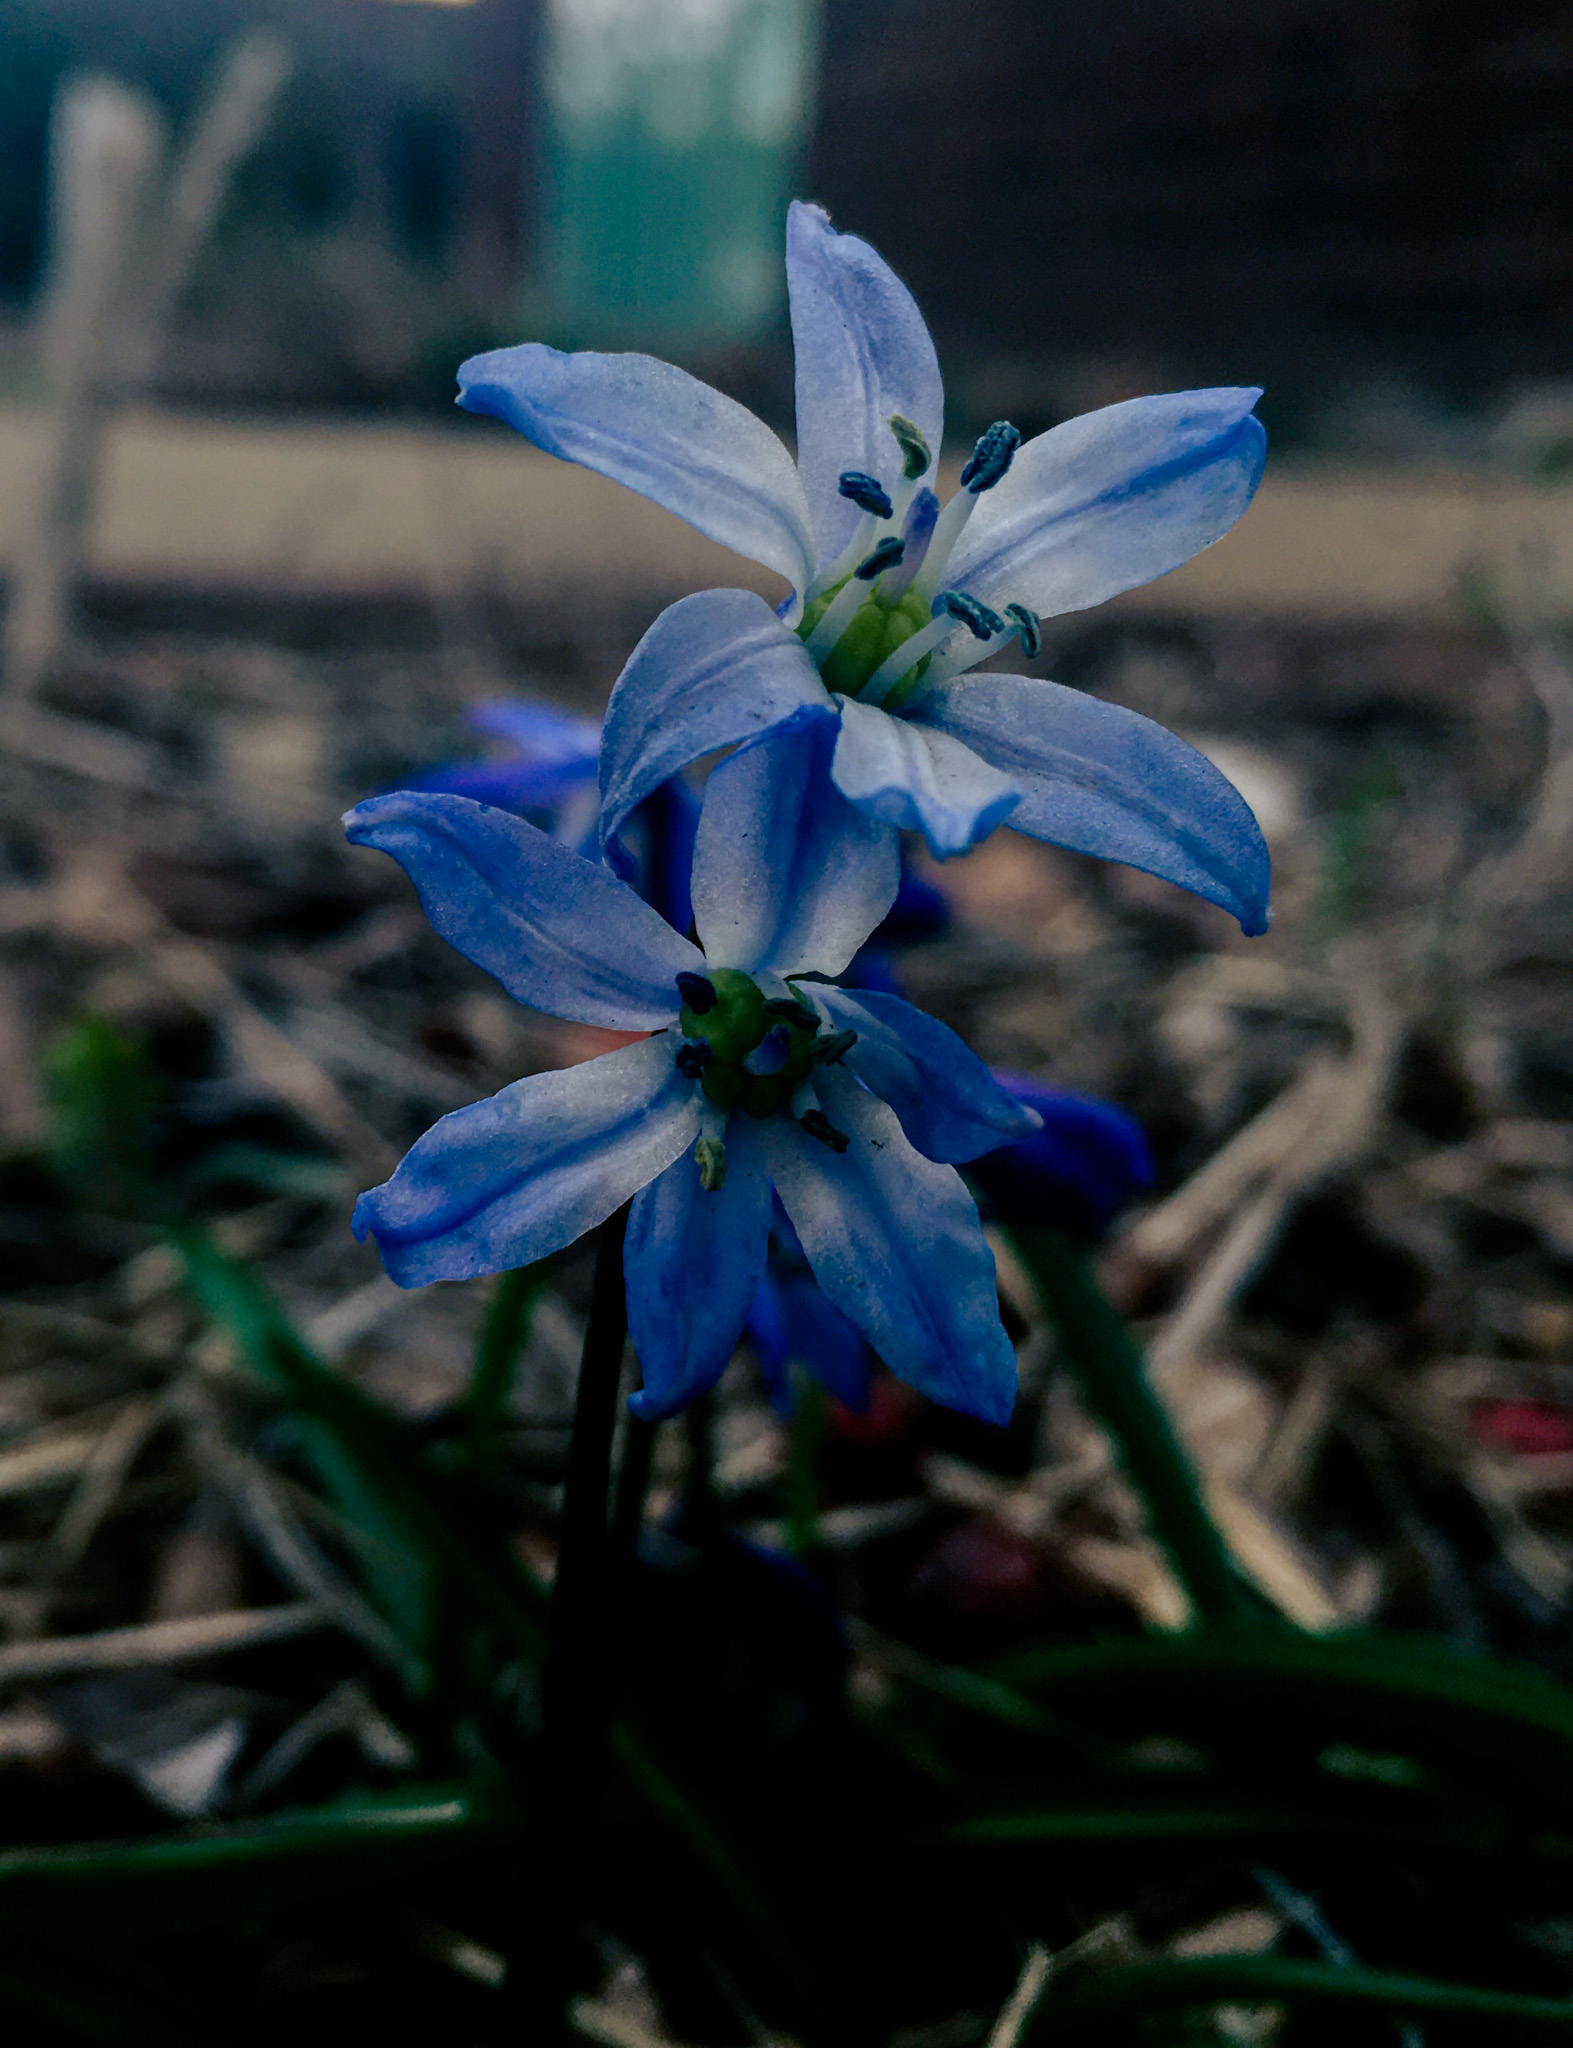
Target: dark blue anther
791, 1011
693, 1056
832, 1046
991, 458
1026, 624
979, 621
885, 556
818, 1125
698, 993
916, 454
866, 492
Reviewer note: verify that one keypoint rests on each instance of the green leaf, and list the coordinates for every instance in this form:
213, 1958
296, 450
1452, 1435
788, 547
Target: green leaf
503, 1336
104, 1098
424, 1523
1087, 2010
1324, 1701
360, 1828
1111, 1373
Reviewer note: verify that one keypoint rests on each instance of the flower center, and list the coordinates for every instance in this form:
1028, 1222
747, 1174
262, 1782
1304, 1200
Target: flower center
756, 1050
754, 1053
867, 640
875, 619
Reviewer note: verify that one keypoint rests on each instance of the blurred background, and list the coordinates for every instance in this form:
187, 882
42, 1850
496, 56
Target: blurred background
257, 567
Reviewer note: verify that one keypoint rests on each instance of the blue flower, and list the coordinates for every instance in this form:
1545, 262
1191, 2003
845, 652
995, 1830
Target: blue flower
792, 1322
894, 597
1075, 1173
853, 1109
551, 778
549, 774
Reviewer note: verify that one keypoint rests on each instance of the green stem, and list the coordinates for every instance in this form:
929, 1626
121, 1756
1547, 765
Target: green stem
1175, 1983
574, 1705
1112, 1375
503, 1337
810, 1411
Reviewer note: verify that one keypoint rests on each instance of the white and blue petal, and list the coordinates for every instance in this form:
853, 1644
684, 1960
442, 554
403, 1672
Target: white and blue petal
863, 353
788, 876
510, 1179
714, 669
693, 1262
651, 426
559, 932
895, 1242
1103, 780
950, 1105
918, 779
1111, 500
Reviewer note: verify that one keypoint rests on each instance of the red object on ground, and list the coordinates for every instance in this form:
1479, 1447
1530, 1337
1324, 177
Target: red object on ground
1532, 1428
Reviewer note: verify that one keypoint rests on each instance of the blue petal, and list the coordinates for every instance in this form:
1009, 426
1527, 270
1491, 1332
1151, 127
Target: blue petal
540, 730
895, 1242
950, 1105
921, 911
863, 353
821, 1339
766, 1331
558, 932
714, 669
1103, 780
527, 1171
668, 821
693, 1263
1111, 500
793, 1322
515, 783
661, 432
1074, 1174
917, 779
787, 875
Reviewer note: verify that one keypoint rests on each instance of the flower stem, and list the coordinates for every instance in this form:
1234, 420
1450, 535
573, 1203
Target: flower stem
574, 1708
810, 1411
1112, 1375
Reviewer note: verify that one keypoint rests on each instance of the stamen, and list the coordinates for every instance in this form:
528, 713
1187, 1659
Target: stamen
886, 556
848, 599
791, 1011
698, 993
916, 530
987, 464
1018, 624
906, 656
915, 452
710, 1158
832, 1047
866, 492
989, 460
693, 1056
819, 1126
973, 613
1026, 623
856, 548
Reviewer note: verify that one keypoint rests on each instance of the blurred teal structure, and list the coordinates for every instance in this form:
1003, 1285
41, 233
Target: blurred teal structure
672, 138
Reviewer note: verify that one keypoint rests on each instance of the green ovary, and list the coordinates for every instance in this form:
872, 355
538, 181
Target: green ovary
733, 1029
875, 632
